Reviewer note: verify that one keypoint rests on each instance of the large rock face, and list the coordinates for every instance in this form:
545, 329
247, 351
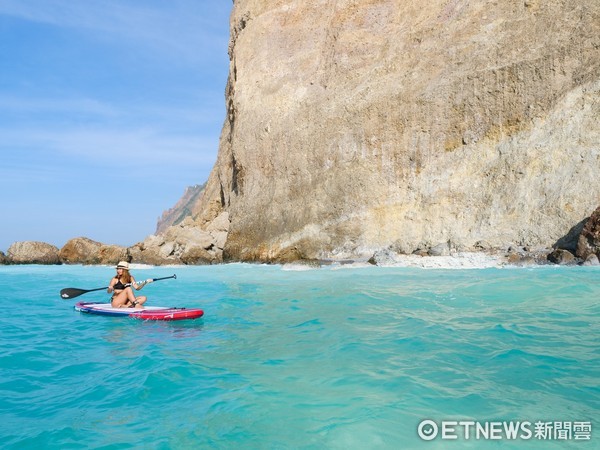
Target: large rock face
185, 243
355, 125
182, 210
589, 239
32, 252
83, 250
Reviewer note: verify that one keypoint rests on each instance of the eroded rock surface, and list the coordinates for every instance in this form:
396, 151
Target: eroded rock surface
83, 250
32, 252
589, 239
361, 125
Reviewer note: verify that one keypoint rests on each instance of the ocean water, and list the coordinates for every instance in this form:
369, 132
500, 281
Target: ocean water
333, 357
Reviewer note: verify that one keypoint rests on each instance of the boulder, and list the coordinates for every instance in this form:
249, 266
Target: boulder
189, 236
384, 257
185, 243
220, 239
589, 239
561, 256
219, 230
519, 259
591, 260
3, 259
83, 250
197, 254
33, 252
220, 223
111, 254
442, 249
154, 250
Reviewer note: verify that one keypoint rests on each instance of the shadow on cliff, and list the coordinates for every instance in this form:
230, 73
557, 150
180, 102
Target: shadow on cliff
569, 240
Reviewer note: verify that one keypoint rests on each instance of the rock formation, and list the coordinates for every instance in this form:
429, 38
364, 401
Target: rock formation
185, 243
182, 210
357, 125
83, 250
589, 239
561, 256
32, 252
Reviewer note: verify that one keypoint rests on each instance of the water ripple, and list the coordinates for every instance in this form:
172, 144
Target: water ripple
298, 359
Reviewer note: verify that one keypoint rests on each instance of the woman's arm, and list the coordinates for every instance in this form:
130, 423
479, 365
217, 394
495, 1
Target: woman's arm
141, 284
137, 285
111, 284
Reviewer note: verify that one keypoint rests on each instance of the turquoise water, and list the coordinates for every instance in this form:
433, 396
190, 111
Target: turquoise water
346, 358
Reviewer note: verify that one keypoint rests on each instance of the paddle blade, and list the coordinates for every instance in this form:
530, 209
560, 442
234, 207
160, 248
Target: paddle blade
69, 293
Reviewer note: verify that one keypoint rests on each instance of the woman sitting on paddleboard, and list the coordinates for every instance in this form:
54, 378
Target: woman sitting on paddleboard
121, 288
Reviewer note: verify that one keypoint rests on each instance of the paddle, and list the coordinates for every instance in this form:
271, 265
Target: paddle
69, 293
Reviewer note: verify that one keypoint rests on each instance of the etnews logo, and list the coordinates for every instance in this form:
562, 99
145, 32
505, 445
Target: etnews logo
428, 430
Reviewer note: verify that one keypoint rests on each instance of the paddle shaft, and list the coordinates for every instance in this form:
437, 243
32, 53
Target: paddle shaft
69, 293
164, 278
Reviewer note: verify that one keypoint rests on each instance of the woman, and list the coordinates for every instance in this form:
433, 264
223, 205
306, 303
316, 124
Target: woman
121, 288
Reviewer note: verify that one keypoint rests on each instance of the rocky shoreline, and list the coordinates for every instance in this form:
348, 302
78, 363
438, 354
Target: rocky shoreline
32, 252
186, 244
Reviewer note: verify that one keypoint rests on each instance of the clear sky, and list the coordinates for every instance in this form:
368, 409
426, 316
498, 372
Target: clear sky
109, 109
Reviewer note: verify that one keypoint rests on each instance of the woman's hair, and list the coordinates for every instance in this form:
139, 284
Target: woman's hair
125, 277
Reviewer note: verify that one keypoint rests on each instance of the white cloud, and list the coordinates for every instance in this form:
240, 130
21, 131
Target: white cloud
182, 29
209, 110
143, 147
10, 104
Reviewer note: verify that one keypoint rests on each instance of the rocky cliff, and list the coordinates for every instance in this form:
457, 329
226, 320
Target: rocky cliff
355, 125
368, 127
181, 210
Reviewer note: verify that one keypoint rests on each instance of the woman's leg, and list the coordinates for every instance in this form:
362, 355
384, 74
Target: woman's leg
119, 300
139, 301
124, 299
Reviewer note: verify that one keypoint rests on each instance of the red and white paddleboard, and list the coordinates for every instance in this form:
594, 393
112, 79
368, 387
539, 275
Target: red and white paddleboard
147, 313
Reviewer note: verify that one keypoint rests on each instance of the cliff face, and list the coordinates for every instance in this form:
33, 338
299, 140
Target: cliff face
355, 125
183, 209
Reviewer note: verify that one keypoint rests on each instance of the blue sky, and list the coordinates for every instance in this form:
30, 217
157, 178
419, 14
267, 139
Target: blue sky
109, 109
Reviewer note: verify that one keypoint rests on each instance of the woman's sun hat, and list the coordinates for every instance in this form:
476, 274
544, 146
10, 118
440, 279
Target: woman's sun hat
123, 265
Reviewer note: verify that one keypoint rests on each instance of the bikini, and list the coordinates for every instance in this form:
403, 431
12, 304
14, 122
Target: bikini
120, 286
